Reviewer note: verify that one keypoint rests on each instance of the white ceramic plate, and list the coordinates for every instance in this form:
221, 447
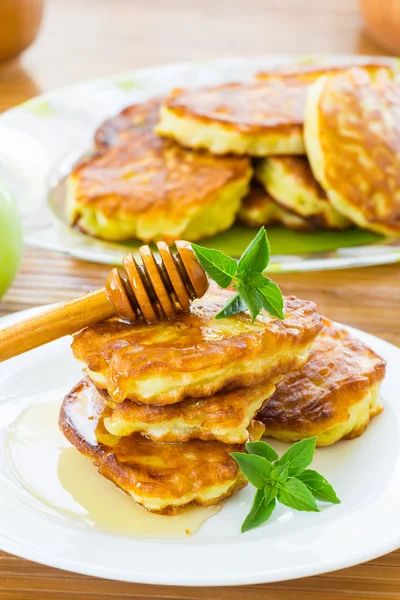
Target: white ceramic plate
365, 473
41, 140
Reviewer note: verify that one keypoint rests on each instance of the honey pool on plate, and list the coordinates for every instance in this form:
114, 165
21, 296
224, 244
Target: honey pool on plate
68, 482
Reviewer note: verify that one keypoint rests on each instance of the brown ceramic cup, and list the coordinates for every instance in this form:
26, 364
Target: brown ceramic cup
19, 25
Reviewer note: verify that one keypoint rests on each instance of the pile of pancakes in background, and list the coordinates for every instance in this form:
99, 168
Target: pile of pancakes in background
162, 406
308, 147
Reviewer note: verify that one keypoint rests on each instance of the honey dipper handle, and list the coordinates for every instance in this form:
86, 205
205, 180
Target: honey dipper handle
148, 292
54, 323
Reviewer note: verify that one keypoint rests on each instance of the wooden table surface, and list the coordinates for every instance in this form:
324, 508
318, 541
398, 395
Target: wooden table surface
84, 39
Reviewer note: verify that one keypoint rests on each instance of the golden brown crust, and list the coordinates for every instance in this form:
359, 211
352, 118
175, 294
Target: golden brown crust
224, 416
138, 173
153, 176
358, 118
259, 208
158, 475
276, 104
292, 185
300, 170
339, 372
195, 355
134, 122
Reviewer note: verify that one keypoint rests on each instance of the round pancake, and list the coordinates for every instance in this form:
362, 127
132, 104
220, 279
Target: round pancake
290, 182
162, 477
352, 133
258, 209
225, 416
259, 118
195, 354
334, 394
142, 186
135, 121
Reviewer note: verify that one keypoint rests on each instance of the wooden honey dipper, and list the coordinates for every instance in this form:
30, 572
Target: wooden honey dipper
150, 292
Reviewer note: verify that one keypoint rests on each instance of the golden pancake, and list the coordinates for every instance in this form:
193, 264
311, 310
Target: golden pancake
225, 416
260, 118
195, 355
135, 121
334, 394
142, 186
290, 182
352, 133
258, 209
162, 477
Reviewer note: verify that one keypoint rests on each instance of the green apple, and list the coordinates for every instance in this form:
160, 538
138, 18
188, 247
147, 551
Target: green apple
10, 239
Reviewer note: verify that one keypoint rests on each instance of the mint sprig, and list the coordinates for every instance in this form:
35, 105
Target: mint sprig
285, 479
254, 290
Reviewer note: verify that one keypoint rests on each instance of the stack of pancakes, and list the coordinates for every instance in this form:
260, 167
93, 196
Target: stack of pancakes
308, 148
162, 406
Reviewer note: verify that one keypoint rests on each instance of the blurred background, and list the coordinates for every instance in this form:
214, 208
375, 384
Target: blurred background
81, 39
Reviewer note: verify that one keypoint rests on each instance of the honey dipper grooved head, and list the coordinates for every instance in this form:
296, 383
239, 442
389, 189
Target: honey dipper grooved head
194, 270
157, 290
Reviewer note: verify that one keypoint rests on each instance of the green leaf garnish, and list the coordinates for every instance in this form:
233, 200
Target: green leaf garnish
235, 305
256, 468
280, 473
260, 512
286, 480
218, 265
254, 280
252, 299
320, 488
262, 449
299, 456
254, 290
272, 299
270, 492
256, 256
297, 495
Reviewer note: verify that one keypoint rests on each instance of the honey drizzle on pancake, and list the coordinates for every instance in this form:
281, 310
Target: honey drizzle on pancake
67, 483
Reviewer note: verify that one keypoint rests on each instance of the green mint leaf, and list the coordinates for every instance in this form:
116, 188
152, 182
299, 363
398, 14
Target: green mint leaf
320, 488
272, 299
255, 468
253, 300
270, 492
299, 456
253, 279
276, 480
254, 290
262, 449
296, 494
259, 513
218, 265
280, 473
234, 306
256, 256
